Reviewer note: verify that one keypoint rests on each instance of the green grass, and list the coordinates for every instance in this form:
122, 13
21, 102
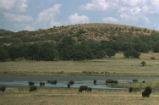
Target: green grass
116, 66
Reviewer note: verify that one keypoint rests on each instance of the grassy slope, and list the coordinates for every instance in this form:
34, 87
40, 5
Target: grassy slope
73, 97
113, 66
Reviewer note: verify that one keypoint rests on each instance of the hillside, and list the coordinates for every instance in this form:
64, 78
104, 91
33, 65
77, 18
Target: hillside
78, 42
81, 32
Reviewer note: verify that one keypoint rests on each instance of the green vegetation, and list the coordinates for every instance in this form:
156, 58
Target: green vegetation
77, 42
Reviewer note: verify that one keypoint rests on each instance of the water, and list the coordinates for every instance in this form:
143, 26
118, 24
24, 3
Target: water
12, 81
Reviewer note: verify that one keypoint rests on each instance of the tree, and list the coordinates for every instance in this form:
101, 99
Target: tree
110, 52
132, 53
66, 48
3, 54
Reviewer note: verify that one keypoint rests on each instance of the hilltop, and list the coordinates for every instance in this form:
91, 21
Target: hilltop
81, 32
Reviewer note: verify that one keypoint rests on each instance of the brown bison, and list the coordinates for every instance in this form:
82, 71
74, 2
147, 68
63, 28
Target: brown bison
42, 84
52, 82
31, 83
94, 82
2, 88
135, 81
110, 81
68, 85
32, 88
84, 88
71, 82
147, 92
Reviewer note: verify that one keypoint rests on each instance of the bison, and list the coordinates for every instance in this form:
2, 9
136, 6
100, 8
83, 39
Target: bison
131, 89
52, 82
71, 82
110, 81
68, 85
94, 82
42, 84
85, 88
135, 81
31, 83
2, 88
147, 92
32, 88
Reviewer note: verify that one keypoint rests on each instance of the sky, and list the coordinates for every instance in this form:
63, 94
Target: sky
17, 15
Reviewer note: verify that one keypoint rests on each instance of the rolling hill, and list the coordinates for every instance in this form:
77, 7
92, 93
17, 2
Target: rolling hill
82, 32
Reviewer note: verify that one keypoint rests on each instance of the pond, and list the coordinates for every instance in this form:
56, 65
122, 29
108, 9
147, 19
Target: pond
13, 81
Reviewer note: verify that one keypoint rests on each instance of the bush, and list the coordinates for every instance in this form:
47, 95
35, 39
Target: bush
131, 53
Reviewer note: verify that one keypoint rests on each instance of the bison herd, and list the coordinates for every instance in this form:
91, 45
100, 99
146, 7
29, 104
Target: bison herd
146, 93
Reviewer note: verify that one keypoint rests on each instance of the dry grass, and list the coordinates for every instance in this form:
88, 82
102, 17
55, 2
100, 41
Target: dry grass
73, 97
113, 66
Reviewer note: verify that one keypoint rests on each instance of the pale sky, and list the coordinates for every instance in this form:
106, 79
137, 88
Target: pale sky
19, 15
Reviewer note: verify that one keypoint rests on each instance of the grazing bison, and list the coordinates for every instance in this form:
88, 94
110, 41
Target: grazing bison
135, 81
31, 83
94, 82
42, 84
147, 92
110, 81
143, 81
2, 88
84, 88
68, 85
52, 82
131, 89
71, 82
32, 88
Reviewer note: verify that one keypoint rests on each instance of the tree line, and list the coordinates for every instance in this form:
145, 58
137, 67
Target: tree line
70, 49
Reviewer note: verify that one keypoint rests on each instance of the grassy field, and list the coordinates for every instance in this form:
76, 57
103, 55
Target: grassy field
73, 97
116, 66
